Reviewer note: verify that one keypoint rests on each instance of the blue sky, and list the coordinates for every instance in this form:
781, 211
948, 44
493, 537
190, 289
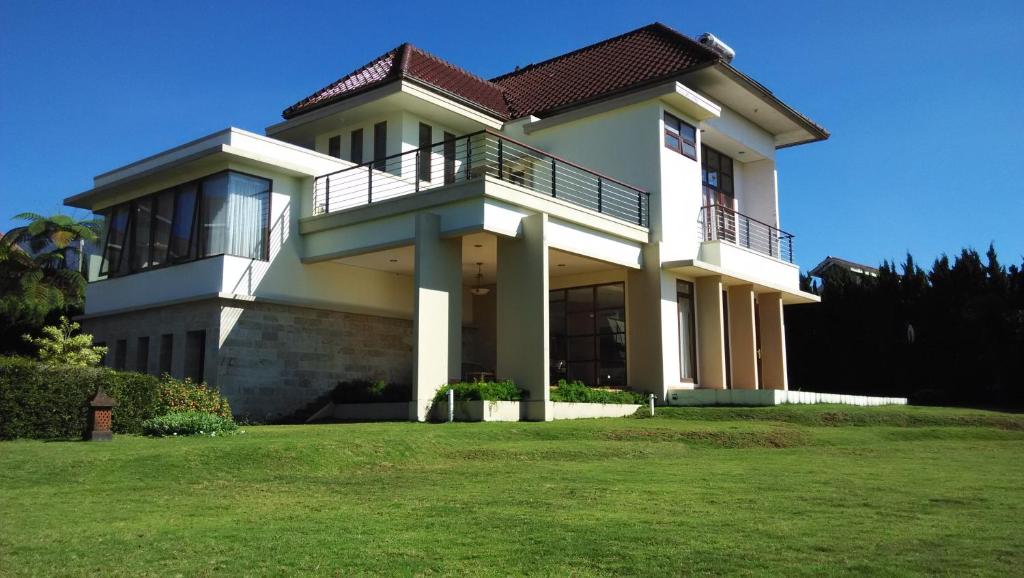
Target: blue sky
923, 99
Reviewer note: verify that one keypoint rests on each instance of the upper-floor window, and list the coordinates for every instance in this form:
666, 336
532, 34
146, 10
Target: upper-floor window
356, 146
680, 136
717, 176
426, 134
227, 213
334, 146
380, 145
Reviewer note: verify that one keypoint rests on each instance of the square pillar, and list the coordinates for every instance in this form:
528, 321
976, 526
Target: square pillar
710, 333
773, 341
742, 337
522, 302
437, 313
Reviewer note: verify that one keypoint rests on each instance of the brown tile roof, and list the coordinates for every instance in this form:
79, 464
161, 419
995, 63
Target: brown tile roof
643, 56
409, 62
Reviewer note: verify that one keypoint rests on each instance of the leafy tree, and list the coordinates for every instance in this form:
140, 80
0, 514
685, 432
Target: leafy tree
36, 284
60, 345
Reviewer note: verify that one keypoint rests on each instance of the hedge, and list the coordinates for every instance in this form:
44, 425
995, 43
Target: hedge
578, 392
482, 390
51, 401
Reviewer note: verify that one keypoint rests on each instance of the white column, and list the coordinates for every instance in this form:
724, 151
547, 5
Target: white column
773, 341
742, 337
522, 301
437, 313
710, 333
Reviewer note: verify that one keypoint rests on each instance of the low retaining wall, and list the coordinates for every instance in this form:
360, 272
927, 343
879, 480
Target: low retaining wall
478, 410
769, 397
569, 410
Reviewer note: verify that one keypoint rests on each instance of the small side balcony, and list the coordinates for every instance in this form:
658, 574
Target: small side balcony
474, 157
720, 223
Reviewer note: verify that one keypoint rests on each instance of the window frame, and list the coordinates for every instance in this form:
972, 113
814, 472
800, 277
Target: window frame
334, 146
355, 145
595, 334
426, 152
689, 297
677, 134
127, 253
380, 145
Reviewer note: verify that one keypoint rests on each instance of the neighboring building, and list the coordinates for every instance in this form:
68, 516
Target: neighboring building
830, 263
619, 203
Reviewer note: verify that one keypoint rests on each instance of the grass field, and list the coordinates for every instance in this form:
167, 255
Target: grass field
793, 490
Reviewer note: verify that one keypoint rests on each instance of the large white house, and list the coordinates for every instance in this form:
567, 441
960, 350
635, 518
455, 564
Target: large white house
609, 215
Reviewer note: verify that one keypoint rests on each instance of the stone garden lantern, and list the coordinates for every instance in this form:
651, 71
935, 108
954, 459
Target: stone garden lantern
101, 408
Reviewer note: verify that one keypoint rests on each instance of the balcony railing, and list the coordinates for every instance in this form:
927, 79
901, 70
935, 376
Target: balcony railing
719, 223
471, 157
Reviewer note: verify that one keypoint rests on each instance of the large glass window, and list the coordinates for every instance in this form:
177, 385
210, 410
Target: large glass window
588, 334
227, 213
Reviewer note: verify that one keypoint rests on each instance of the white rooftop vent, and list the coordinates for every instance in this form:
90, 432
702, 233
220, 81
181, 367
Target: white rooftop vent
715, 43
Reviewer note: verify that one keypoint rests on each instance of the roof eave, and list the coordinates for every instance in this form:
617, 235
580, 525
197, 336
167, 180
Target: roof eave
816, 131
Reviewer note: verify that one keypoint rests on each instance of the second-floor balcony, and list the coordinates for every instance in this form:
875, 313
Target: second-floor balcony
474, 156
720, 223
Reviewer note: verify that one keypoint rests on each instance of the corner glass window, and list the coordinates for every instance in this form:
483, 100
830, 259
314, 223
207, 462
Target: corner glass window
680, 137
227, 213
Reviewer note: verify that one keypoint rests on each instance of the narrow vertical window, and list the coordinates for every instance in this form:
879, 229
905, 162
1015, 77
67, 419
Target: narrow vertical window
195, 355
120, 354
449, 158
166, 352
334, 147
380, 145
116, 229
425, 152
687, 331
142, 355
356, 146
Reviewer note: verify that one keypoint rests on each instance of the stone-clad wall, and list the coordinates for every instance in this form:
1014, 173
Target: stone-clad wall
275, 359
268, 359
176, 320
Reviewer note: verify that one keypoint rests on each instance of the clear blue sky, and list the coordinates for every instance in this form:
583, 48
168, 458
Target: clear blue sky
923, 98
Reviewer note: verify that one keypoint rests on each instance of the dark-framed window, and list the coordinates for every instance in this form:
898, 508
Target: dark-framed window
380, 145
142, 355
588, 334
449, 158
226, 213
680, 136
195, 355
687, 331
716, 172
356, 146
334, 146
426, 134
166, 353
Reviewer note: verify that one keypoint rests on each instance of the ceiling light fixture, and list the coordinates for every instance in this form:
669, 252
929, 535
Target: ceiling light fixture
479, 289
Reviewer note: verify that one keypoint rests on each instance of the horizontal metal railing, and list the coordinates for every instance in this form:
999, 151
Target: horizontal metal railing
720, 223
473, 156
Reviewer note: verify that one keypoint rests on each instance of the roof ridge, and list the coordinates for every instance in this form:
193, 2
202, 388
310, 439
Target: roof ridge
657, 27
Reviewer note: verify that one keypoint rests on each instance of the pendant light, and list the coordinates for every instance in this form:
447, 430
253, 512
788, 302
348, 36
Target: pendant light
479, 289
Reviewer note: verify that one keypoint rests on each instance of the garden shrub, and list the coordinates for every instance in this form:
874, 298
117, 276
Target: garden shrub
578, 392
482, 390
45, 401
366, 391
186, 423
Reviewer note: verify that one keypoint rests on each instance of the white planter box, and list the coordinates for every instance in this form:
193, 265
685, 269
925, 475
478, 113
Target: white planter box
477, 410
571, 410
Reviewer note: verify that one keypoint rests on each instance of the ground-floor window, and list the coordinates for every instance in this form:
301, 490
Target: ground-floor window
588, 334
687, 332
195, 355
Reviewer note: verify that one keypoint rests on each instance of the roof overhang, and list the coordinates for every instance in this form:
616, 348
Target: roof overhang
398, 94
672, 93
753, 101
697, 268
211, 151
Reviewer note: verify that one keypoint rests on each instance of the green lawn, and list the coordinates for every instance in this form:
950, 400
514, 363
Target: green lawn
792, 490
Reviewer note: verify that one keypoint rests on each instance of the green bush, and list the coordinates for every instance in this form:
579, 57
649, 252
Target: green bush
366, 391
482, 390
578, 392
51, 401
187, 423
